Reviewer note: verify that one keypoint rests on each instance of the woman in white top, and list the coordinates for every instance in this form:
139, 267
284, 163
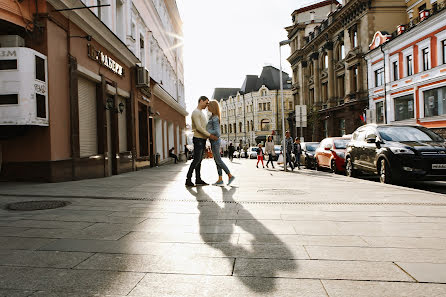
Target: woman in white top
269, 150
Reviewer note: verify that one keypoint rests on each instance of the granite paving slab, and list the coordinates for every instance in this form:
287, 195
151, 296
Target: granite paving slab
51, 259
425, 272
160, 264
181, 237
15, 293
49, 224
406, 242
377, 254
345, 288
320, 269
23, 243
75, 234
68, 280
170, 285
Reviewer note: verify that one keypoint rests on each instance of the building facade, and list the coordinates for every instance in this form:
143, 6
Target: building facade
407, 70
252, 112
328, 44
70, 84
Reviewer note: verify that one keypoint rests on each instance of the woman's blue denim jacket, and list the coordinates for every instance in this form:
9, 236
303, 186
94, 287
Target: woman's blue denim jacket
213, 126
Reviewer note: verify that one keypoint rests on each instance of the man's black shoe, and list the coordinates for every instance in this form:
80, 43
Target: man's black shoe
189, 183
201, 183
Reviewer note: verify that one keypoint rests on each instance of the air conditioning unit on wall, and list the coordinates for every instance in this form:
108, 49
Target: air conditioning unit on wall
23, 87
142, 77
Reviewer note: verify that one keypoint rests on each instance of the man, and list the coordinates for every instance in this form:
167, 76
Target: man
297, 150
199, 140
172, 155
289, 149
231, 150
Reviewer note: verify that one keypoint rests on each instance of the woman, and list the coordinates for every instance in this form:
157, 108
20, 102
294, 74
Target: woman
260, 155
269, 150
213, 127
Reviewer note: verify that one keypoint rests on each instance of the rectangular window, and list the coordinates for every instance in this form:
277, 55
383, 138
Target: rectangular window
380, 112
395, 70
40, 69
355, 38
435, 102
355, 79
41, 106
341, 86
269, 106
8, 64
409, 65
379, 77
9, 99
443, 50
326, 61
404, 108
342, 127
425, 53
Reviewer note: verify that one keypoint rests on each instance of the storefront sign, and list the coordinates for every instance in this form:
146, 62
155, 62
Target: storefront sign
105, 60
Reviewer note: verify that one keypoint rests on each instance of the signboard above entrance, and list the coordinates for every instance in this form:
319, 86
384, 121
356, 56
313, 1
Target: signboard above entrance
104, 60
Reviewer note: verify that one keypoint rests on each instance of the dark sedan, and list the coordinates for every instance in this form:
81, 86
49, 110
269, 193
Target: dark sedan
308, 151
397, 153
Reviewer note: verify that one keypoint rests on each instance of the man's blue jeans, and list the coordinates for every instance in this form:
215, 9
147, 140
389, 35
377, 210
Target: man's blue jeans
215, 145
199, 145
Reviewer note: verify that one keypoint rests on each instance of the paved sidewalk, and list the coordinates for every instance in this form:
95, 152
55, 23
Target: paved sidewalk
301, 233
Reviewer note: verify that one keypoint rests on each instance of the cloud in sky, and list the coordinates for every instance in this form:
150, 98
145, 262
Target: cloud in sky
226, 40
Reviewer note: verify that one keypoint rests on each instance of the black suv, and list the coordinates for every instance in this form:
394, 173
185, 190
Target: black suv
397, 153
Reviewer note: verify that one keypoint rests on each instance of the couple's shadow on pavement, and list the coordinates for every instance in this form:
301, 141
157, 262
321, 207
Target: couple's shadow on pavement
211, 235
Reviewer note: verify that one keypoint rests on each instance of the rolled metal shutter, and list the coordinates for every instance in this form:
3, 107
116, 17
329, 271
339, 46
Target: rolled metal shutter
122, 125
88, 132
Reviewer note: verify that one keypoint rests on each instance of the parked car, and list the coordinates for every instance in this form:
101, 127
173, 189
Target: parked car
252, 152
331, 153
307, 155
277, 152
397, 153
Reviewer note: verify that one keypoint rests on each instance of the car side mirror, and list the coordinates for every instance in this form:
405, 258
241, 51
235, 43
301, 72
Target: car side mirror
327, 148
371, 140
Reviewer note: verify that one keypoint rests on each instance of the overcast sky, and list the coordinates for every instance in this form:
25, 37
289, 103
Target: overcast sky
225, 40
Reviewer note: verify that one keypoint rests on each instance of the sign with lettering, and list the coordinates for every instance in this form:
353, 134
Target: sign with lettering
8, 53
105, 60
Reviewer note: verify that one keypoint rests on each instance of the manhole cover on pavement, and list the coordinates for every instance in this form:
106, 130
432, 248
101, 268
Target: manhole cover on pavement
281, 191
36, 205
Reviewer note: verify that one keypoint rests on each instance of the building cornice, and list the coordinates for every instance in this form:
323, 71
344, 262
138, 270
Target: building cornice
159, 92
93, 26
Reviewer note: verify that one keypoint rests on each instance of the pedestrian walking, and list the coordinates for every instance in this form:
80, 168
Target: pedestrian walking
289, 149
213, 127
269, 150
231, 150
199, 123
297, 150
260, 155
172, 155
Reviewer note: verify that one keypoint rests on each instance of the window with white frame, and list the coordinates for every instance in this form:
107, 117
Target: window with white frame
443, 50
379, 112
404, 107
425, 58
379, 77
395, 70
435, 102
409, 65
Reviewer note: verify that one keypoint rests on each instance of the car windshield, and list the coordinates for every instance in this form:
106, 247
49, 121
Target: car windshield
408, 134
254, 149
341, 143
311, 147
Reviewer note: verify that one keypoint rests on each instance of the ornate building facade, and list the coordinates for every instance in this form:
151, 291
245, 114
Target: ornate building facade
407, 70
329, 41
252, 112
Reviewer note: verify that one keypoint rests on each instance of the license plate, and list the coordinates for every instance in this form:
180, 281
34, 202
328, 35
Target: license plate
438, 166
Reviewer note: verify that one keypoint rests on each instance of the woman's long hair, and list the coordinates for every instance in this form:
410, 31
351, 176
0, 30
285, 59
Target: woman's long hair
269, 137
214, 108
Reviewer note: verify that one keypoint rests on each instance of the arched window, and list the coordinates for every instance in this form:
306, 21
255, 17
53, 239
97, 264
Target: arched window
265, 125
325, 60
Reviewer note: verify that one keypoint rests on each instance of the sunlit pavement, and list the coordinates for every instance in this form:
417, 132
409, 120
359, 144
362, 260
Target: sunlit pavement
273, 233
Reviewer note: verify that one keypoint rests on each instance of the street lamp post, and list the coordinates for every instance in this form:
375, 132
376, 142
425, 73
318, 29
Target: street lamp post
283, 42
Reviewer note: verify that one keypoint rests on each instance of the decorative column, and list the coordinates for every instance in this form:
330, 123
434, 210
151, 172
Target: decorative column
317, 98
331, 78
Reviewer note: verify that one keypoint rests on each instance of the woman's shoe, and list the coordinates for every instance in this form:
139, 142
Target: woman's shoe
266, 166
219, 183
257, 166
230, 180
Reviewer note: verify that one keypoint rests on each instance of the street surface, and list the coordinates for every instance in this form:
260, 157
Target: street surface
274, 233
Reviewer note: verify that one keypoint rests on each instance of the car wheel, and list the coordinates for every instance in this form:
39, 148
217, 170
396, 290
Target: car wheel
349, 168
385, 176
316, 165
333, 166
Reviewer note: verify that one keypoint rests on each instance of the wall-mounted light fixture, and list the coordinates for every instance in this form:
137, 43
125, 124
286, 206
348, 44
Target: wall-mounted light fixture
88, 37
109, 105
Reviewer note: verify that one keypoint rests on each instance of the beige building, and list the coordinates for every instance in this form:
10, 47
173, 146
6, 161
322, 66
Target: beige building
329, 40
252, 112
